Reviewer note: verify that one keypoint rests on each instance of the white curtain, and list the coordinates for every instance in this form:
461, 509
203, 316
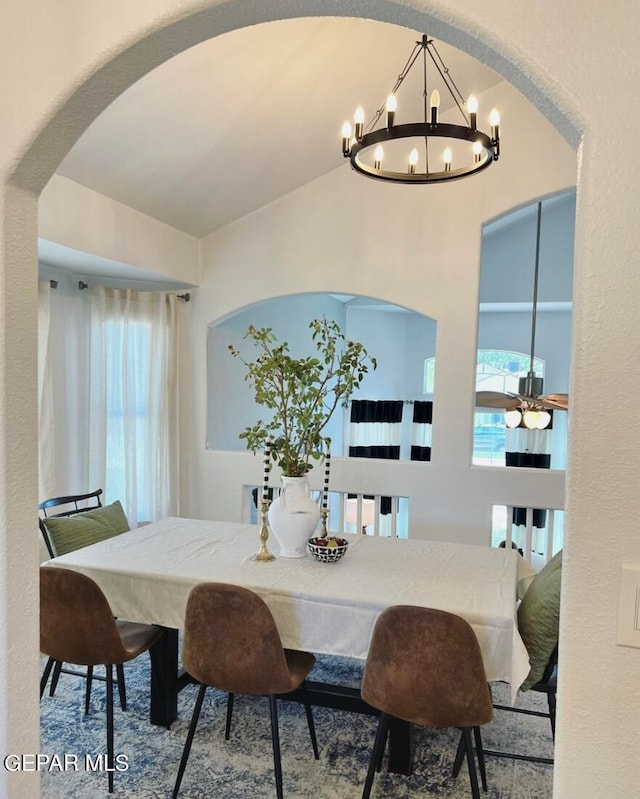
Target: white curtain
133, 429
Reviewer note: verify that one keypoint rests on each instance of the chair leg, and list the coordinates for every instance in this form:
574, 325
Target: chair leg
551, 699
480, 752
110, 758
87, 693
55, 677
45, 675
460, 753
227, 729
187, 744
122, 688
275, 739
312, 727
471, 763
382, 751
378, 747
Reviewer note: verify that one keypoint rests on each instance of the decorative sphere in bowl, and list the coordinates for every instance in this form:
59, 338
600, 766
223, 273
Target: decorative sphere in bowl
329, 549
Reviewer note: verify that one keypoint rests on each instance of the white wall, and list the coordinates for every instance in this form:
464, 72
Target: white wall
508, 254
83, 220
400, 341
63, 64
402, 247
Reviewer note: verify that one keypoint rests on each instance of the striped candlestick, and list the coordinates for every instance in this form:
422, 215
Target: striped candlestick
267, 468
327, 469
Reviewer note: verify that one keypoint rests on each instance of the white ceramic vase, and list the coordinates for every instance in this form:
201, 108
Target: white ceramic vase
293, 517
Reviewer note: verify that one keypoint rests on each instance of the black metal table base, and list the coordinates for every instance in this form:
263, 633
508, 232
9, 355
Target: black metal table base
167, 683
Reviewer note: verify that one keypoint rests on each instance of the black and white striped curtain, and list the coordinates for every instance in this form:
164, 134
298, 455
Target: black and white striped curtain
375, 429
531, 449
374, 432
421, 433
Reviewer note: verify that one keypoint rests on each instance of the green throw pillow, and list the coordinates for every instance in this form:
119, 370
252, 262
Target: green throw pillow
539, 617
83, 529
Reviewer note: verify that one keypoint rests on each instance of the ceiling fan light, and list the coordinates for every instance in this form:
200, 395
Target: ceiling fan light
544, 420
531, 420
513, 418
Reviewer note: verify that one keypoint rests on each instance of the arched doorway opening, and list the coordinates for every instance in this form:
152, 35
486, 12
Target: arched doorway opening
154, 41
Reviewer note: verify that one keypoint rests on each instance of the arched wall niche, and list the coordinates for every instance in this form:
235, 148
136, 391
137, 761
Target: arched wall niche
398, 338
505, 316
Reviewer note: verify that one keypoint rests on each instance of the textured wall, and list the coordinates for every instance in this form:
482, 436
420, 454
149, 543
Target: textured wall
62, 63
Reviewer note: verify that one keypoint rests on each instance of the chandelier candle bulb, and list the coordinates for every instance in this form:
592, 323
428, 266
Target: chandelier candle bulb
477, 152
327, 470
378, 155
413, 160
472, 105
392, 105
358, 119
435, 105
494, 121
447, 156
346, 139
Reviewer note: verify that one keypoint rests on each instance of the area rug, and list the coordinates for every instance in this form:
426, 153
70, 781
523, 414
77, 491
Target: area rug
242, 768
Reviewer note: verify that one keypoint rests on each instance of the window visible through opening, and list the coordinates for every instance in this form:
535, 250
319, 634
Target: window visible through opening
497, 370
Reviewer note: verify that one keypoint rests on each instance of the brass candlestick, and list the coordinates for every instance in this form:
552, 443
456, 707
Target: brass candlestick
263, 555
323, 515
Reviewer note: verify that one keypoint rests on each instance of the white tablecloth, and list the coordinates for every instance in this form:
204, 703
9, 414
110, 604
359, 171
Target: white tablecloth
147, 574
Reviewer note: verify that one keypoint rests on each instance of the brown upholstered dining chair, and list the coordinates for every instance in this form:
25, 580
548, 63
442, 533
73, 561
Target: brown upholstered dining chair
231, 642
425, 666
60, 537
77, 626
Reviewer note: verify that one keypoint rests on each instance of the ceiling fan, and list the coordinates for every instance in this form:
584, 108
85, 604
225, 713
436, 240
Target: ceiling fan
528, 405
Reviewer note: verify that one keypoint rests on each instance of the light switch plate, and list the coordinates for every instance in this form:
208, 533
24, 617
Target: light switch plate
629, 607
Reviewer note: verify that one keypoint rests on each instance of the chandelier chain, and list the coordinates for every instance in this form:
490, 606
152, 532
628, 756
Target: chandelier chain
448, 80
425, 95
403, 74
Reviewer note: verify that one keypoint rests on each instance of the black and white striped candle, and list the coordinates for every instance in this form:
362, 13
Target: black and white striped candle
267, 468
327, 469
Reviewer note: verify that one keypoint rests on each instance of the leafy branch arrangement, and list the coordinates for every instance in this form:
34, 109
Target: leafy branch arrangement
303, 393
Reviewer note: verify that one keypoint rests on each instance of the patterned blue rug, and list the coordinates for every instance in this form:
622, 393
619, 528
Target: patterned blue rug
242, 768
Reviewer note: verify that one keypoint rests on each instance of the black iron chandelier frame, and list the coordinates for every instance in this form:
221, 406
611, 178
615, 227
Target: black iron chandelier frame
487, 146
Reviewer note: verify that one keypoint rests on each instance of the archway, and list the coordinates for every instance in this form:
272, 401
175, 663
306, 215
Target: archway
153, 42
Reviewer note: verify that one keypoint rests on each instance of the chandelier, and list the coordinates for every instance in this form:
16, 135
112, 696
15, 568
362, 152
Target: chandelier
467, 150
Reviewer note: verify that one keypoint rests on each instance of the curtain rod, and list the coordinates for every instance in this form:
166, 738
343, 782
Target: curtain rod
82, 286
406, 402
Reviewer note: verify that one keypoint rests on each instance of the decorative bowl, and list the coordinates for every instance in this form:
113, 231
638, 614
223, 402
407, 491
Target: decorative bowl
327, 550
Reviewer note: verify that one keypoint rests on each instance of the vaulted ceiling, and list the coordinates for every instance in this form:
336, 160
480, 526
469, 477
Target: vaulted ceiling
238, 121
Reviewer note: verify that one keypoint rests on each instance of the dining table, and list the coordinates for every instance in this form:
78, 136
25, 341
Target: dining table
147, 574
